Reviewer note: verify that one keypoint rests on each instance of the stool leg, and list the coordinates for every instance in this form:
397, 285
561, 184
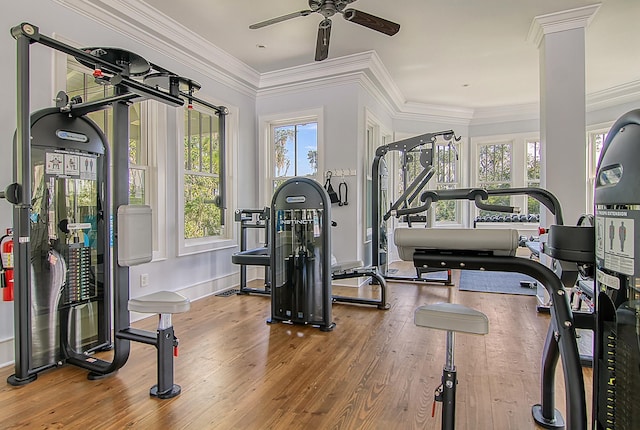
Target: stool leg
449, 382
165, 389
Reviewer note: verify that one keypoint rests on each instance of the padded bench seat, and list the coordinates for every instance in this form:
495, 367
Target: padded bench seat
161, 302
500, 242
451, 317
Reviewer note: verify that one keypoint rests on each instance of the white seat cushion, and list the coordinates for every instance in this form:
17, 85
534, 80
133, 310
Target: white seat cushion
161, 302
452, 317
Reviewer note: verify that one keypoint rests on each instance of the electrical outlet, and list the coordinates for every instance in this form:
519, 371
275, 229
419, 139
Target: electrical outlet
144, 280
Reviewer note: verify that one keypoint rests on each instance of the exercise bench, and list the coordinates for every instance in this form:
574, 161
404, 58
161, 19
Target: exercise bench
165, 304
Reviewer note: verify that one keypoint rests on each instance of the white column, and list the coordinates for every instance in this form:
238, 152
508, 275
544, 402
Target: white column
560, 38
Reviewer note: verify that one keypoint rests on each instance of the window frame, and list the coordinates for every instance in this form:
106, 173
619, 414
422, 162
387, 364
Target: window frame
518, 142
267, 165
375, 136
437, 185
224, 240
592, 159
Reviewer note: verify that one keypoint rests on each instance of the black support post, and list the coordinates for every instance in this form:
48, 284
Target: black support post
21, 232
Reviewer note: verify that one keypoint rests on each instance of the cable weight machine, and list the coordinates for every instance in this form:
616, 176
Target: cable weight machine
62, 213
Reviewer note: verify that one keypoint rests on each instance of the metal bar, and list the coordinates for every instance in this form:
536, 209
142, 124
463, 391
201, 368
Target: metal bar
412, 142
449, 382
210, 167
137, 335
84, 108
419, 183
21, 228
550, 355
450, 366
166, 339
191, 97
375, 210
120, 192
222, 151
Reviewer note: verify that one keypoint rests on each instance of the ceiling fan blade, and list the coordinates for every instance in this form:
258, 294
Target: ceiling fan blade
280, 19
371, 21
322, 43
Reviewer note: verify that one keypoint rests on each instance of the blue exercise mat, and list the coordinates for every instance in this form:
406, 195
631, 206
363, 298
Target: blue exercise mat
495, 282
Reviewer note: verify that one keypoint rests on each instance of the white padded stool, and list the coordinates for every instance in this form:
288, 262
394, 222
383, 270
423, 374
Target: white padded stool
452, 318
163, 303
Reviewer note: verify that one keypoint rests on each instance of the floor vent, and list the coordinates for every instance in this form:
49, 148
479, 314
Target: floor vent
228, 293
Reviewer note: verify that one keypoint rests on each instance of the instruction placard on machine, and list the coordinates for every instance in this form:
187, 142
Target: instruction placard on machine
74, 165
615, 239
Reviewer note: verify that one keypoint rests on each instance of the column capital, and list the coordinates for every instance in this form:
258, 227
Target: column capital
561, 21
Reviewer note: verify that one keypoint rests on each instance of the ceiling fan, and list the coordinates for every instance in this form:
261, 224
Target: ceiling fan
328, 8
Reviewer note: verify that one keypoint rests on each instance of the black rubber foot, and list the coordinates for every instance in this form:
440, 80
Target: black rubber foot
13, 380
167, 394
329, 327
384, 307
557, 422
94, 376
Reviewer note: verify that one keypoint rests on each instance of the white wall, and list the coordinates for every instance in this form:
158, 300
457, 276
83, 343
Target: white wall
339, 151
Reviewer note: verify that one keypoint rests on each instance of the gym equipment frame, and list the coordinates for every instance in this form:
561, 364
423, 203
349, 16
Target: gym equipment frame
114, 67
380, 214
456, 250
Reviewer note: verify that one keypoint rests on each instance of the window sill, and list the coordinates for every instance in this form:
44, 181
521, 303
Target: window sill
199, 247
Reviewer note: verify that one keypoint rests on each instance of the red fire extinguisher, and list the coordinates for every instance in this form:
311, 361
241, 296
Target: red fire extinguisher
6, 266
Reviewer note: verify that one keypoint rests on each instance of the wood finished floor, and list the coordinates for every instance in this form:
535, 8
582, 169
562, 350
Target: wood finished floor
376, 370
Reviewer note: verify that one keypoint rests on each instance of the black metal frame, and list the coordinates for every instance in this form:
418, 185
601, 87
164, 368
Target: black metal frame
253, 219
19, 194
410, 193
561, 337
479, 195
261, 256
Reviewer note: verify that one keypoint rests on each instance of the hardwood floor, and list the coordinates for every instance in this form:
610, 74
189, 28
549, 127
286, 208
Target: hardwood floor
376, 370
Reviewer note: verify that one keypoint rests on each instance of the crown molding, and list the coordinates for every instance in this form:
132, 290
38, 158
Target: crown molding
615, 96
455, 115
561, 21
145, 24
364, 62
519, 112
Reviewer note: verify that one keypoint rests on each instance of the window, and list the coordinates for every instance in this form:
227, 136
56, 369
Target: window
80, 83
295, 151
291, 144
202, 214
447, 177
595, 143
375, 136
494, 171
533, 174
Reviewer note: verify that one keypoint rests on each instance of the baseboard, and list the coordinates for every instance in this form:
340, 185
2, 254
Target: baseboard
6, 352
193, 292
352, 282
257, 273
199, 291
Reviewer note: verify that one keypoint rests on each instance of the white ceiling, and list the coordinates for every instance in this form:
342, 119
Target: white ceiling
465, 53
